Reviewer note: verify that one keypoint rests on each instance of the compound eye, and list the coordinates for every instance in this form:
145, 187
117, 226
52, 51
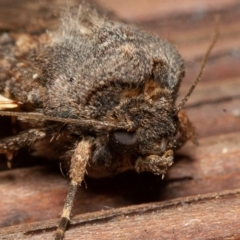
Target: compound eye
123, 140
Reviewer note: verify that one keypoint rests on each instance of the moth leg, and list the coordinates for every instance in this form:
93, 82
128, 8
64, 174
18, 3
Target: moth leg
186, 130
78, 165
154, 163
9, 145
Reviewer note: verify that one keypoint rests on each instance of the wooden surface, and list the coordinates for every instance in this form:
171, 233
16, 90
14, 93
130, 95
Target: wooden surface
200, 217
200, 196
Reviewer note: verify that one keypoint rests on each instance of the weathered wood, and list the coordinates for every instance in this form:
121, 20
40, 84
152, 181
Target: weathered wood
211, 216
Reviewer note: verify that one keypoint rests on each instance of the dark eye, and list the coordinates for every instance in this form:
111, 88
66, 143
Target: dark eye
123, 141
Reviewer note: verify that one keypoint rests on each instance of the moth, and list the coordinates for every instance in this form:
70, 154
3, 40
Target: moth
103, 91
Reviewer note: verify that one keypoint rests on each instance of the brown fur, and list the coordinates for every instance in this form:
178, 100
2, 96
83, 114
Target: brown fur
96, 69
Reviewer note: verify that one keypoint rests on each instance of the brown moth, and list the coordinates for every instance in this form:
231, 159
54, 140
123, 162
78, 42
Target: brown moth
102, 90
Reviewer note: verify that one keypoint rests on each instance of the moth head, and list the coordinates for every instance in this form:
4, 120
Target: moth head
148, 111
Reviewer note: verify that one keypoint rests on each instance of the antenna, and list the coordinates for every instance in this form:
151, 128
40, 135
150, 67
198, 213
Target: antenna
203, 64
85, 123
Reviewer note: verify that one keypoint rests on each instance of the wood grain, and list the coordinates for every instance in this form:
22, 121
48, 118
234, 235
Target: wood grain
201, 217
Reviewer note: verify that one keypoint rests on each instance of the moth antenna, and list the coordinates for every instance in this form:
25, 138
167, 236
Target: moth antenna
85, 123
203, 64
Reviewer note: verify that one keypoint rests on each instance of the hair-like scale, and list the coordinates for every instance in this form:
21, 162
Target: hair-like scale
119, 81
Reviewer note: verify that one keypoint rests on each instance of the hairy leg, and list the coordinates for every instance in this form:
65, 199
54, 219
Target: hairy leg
10, 145
79, 162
